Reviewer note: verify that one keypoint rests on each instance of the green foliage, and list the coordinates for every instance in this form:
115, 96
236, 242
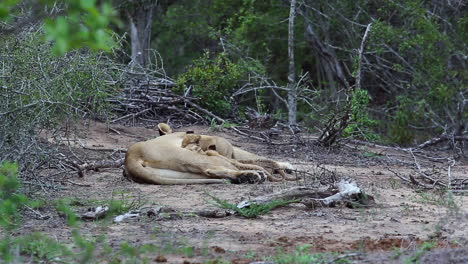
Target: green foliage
246, 28
40, 247
42, 90
63, 208
253, 210
445, 199
11, 203
300, 256
213, 81
425, 64
423, 248
6, 7
399, 130
10, 200
415, 50
361, 125
215, 127
121, 203
84, 24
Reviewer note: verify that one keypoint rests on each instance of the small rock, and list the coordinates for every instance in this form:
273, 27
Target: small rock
160, 258
218, 249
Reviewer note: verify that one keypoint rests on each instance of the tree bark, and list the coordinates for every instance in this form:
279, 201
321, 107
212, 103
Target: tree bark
360, 56
292, 92
328, 59
141, 20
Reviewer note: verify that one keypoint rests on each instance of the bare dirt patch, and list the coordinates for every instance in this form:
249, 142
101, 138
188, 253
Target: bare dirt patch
402, 220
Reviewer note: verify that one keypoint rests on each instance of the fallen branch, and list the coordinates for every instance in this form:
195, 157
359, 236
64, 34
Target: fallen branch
131, 115
97, 165
168, 213
106, 149
346, 191
94, 213
199, 108
441, 138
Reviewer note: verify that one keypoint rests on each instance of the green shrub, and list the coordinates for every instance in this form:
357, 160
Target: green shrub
253, 210
300, 256
10, 204
361, 125
399, 131
10, 200
42, 248
213, 81
42, 91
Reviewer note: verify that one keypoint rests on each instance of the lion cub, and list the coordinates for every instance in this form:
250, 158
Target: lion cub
220, 147
201, 143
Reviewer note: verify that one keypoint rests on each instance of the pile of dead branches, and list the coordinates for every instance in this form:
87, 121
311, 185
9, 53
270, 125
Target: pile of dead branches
147, 98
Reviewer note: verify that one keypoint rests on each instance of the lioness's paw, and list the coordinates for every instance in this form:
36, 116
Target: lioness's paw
251, 177
286, 166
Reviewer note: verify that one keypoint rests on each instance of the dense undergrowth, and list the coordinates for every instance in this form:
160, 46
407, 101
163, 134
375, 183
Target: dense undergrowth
42, 92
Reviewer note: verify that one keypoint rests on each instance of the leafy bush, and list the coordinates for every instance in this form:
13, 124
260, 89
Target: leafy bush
253, 210
426, 73
361, 125
10, 204
79, 23
300, 256
40, 90
42, 248
399, 131
213, 80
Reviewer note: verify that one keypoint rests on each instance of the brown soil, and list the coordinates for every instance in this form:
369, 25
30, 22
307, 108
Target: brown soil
402, 219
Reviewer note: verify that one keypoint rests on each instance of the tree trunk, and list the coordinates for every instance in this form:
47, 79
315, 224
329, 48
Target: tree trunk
292, 92
328, 59
141, 20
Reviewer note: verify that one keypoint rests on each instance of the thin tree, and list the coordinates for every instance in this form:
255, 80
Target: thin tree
140, 18
292, 88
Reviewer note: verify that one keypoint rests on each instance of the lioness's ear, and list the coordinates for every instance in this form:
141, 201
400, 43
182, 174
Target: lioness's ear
212, 147
164, 129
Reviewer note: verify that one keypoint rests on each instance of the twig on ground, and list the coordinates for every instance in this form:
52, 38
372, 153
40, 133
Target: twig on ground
346, 191
97, 165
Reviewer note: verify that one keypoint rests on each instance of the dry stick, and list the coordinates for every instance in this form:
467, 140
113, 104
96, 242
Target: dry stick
106, 149
424, 175
361, 51
131, 115
194, 105
98, 165
398, 175
79, 184
449, 173
407, 150
40, 216
294, 193
441, 138
310, 197
114, 130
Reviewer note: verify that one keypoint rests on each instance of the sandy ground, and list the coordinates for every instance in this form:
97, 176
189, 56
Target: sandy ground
402, 219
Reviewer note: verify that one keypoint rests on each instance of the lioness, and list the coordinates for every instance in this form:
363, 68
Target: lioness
163, 161
219, 144
213, 145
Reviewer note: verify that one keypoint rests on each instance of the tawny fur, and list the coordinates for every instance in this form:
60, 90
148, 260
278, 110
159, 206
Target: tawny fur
239, 165
221, 146
163, 161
